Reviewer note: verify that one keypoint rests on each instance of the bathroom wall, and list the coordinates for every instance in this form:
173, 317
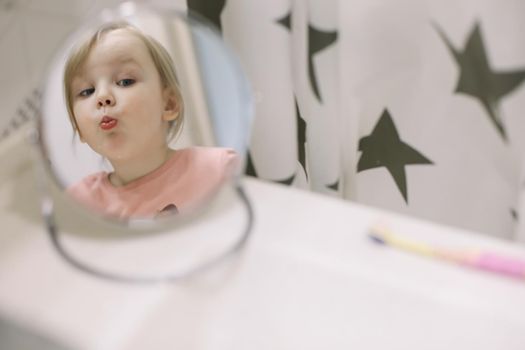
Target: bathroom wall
30, 31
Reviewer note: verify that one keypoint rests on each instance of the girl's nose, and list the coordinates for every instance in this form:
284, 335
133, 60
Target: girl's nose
105, 100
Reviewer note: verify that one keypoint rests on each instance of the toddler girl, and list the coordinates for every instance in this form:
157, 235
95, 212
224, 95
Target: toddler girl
124, 101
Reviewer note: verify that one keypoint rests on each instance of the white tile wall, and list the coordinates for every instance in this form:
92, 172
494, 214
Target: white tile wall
30, 32
14, 76
6, 17
41, 36
60, 7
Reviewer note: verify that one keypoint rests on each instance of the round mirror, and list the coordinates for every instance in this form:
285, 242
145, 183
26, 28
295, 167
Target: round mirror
144, 114
145, 118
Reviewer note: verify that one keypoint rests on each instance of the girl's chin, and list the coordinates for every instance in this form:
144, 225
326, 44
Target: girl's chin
114, 152
116, 157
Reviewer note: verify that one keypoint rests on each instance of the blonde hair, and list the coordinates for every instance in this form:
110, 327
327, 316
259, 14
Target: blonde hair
160, 56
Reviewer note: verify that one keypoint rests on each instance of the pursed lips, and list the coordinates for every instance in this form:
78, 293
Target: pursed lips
108, 123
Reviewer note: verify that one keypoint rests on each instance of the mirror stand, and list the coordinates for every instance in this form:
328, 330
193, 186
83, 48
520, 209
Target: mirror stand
49, 213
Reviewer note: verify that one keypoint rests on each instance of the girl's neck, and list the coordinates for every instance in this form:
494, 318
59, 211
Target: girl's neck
129, 170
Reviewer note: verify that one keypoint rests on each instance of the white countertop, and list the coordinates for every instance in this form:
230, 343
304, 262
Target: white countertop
308, 279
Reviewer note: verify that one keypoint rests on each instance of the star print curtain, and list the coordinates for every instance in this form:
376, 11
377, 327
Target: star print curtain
436, 89
409, 105
265, 47
287, 49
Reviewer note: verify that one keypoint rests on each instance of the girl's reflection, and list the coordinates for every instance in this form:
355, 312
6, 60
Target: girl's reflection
124, 101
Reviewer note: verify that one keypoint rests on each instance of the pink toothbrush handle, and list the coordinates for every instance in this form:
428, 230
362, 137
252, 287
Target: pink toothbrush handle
500, 264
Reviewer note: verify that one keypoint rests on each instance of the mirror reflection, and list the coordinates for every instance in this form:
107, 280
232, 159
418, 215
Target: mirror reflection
124, 102
137, 99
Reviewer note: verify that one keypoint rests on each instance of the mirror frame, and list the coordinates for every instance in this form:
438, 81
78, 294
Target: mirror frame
51, 187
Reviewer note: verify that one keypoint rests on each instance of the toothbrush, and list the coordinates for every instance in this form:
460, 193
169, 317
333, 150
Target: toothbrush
482, 260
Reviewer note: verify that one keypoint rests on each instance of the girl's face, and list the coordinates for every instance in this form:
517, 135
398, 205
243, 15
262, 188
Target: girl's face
120, 107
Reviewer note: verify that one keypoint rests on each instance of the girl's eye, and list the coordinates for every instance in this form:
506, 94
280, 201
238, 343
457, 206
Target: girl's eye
125, 82
86, 92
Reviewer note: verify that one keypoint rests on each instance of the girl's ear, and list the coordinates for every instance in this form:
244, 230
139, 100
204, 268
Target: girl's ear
171, 105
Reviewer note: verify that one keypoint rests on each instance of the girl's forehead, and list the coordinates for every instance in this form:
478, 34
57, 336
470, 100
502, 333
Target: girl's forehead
117, 47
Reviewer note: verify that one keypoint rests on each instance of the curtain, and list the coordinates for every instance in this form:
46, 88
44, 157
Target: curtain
436, 89
409, 105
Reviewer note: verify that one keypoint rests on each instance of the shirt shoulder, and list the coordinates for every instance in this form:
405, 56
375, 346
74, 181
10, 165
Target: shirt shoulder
89, 187
211, 156
200, 171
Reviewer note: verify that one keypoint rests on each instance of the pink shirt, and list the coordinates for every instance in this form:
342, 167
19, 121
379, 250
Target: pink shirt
187, 178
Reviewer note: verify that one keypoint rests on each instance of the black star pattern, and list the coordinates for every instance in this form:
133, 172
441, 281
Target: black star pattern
384, 148
334, 186
250, 171
301, 151
286, 21
301, 138
250, 168
317, 41
288, 181
479, 80
210, 9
